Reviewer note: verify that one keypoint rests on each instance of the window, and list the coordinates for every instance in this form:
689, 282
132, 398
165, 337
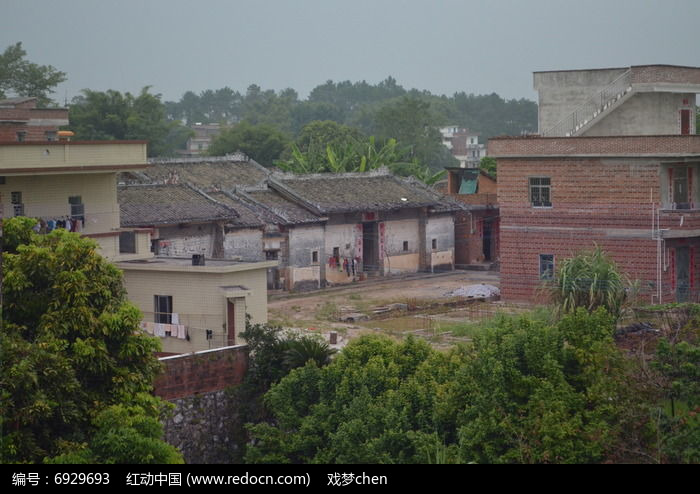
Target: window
434, 243
17, 205
336, 252
405, 245
50, 135
77, 208
680, 187
540, 191
127, 242
21, 136
314, 256
271, 255
546, 266
163, 308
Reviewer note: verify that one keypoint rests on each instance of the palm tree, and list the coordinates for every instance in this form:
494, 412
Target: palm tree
589, 280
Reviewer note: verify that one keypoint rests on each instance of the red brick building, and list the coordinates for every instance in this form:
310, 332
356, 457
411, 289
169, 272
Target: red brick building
631, 192
476, 228
21, 120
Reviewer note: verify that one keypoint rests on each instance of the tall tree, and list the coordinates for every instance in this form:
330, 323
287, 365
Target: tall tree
110, 115
412, 123
71, 345
22, 78
263, 143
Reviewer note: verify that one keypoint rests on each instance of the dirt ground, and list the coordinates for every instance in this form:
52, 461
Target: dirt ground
321, 312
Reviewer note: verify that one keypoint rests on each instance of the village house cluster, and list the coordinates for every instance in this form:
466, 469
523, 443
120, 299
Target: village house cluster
201, 240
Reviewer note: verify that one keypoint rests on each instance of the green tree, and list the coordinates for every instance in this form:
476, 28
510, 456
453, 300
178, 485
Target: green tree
524, 391
22, 78
412, 123
537, 393
111, 115
375, 403
488, 165
125, 433
678, 422
263, 143
70, 344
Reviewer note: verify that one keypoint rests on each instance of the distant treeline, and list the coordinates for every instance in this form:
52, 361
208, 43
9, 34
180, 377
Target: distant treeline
355, 104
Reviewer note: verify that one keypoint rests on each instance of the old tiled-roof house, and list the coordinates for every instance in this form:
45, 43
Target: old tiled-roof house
324, 229
375, 224
616, 165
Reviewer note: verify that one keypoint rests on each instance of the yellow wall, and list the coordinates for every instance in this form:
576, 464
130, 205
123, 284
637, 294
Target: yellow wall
200, 302
46, 196
407, 263
46, 156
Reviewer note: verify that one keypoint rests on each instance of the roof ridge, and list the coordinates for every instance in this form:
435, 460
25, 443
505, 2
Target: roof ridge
377, 172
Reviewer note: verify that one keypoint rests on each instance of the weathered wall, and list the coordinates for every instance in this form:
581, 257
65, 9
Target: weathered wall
185, 240
345, 237
441, 228
201, 372
246, 243
205, 424
396, 259
646, 114
303, 241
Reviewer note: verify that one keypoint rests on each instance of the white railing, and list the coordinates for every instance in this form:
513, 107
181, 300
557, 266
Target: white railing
593, 107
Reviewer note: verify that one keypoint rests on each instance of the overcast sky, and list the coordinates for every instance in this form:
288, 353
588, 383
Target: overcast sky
443, 46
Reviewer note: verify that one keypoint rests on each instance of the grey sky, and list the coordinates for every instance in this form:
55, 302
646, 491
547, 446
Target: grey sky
440, 45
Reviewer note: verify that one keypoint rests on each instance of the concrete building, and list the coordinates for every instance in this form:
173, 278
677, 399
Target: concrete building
75, 184
464, 146
199, 143
635, 196
22, 121
637, 100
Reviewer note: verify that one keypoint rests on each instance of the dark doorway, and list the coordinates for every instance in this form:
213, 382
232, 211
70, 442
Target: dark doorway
488, 232
685, 122
231, 324
682, 274
370, 247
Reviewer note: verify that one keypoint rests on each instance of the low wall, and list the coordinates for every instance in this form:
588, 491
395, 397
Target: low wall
202, 372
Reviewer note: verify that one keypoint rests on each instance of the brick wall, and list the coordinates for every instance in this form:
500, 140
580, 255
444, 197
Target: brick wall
665, 73
595, 201
202, 372
595, 146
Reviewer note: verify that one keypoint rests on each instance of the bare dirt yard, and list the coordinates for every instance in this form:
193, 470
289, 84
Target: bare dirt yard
420, 305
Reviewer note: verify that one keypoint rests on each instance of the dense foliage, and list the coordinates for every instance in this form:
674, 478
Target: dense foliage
262, 142
525, 391
111, 115
71, 350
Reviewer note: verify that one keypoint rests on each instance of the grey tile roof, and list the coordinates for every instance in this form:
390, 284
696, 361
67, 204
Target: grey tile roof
166, 204
205, 173
249, 215
290, 213
348, 192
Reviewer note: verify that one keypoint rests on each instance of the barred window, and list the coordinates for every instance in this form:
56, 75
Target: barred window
546, 266
540, 188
